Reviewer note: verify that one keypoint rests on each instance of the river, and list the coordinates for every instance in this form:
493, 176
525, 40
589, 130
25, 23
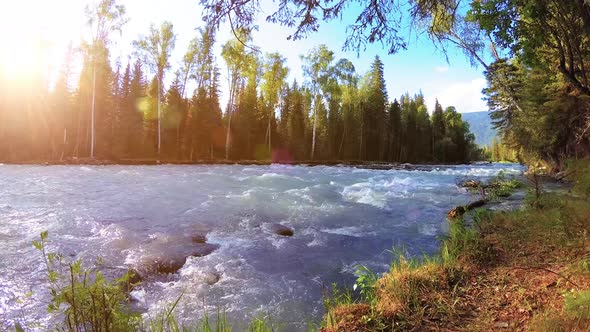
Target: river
341, 217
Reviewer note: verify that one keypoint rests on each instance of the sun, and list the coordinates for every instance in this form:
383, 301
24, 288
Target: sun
21, 59
35, 34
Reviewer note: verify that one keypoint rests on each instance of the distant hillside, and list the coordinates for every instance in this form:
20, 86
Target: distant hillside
480, 125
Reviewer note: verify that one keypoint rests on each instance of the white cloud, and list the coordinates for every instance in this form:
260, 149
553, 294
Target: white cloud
441, 69
465, 96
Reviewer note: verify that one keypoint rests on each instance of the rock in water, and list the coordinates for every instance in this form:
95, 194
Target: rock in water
211, 278
204, 249
198, 238
166, 265
166, 254
282, 230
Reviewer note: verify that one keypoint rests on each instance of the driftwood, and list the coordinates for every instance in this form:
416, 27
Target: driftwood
460, 210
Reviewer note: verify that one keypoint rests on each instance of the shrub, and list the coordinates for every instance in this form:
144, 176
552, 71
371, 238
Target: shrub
578, 171
87, 300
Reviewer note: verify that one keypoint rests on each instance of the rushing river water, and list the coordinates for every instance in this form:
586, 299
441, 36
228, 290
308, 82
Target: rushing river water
341, 217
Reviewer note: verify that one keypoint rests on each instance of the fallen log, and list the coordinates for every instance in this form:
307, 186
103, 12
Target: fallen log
459, 211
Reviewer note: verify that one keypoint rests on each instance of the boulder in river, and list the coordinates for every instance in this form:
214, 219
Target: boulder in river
166, 255
199, 238
163, 265
211, 278
282, 230
204, 249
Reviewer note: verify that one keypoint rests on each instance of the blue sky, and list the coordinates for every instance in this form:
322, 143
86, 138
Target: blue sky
420, 68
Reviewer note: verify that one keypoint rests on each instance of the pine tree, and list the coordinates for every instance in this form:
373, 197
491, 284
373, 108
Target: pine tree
171, 118
395, 131
438, 131
296, 123
374, 112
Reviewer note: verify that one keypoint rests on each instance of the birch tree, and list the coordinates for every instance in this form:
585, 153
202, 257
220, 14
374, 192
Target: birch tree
236, 57
275, 73
104, 18
316, 66
155, 49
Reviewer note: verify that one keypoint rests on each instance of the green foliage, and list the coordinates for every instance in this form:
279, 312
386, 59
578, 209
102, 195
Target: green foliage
502, 153
366, 283
461, 242
577, 304
337, 297
531, 95
578, 171
262, 324
86, 299
167, 322
575, 315
496, 188
503, 188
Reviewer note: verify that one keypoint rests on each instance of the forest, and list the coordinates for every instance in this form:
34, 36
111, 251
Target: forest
535, 55
146, 109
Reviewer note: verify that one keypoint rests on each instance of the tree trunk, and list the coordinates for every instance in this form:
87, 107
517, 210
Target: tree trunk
92, 109
63, 150
269, 137
341, 143
159, 118
227, 135
361, 143
315, 123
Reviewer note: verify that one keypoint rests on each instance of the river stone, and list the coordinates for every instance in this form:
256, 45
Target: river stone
204, 249
199, 238
211, 278
166, 265
282, 230
173, 259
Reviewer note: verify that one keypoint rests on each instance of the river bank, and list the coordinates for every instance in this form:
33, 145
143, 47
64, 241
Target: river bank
374, 165
527, 269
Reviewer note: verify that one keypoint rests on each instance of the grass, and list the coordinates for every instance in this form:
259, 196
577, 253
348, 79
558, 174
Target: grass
414, 291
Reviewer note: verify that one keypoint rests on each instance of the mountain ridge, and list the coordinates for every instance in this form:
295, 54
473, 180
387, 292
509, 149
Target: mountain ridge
480, 124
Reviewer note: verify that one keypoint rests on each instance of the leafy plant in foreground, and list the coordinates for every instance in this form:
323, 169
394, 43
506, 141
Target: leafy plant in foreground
366, 282
86, 299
